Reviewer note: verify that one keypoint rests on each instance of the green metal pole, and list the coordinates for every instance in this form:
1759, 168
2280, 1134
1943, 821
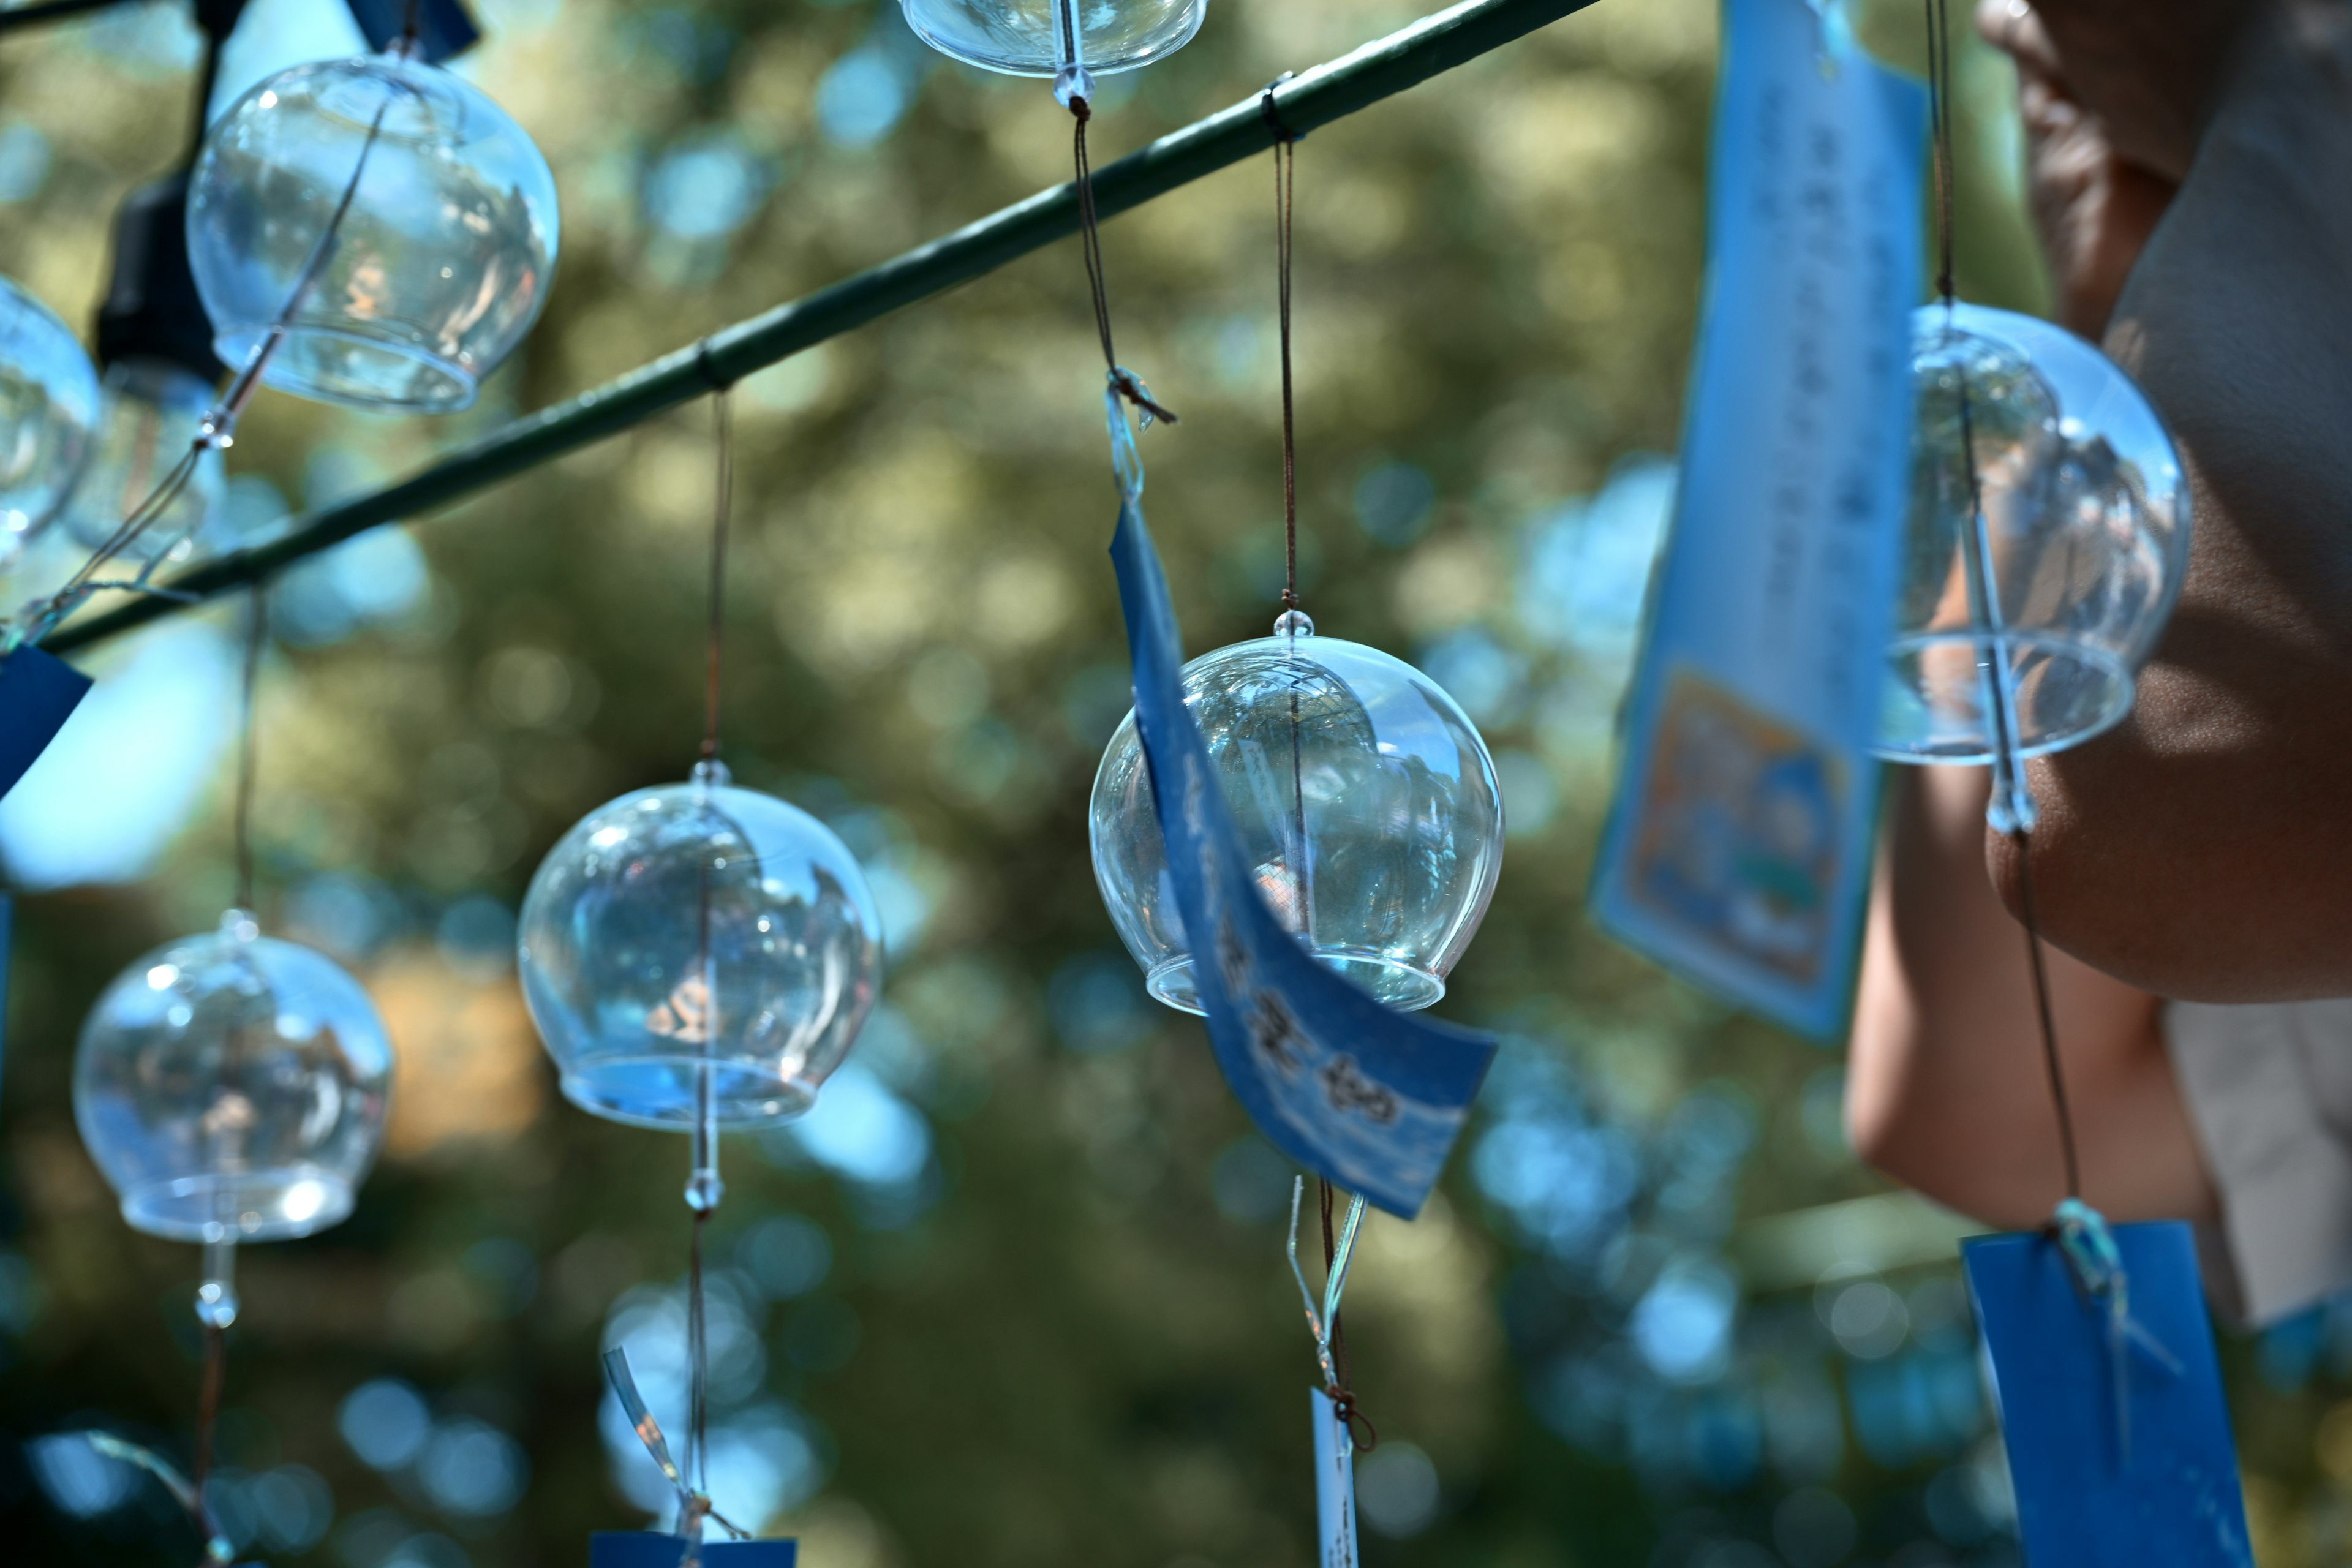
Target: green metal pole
1327, 92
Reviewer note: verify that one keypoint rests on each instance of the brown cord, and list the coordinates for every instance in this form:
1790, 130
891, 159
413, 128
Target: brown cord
1285, 182
1343, 1399
257, 626
1090, 243
1939, 109
722, 507
699, 1359
208, 1401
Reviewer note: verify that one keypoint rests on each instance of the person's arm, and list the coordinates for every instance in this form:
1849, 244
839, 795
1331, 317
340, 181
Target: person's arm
1946, 1087
2203, 850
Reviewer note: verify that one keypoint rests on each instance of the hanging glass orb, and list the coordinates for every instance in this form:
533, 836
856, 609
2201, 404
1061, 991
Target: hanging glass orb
233, 1082
1033, 38
2083, 541
440, 267
699, 934
149, 414
48, 408
1363, 797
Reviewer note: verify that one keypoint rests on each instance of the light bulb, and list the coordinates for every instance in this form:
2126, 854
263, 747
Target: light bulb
1039, 37
233, 1087
2082, 544
1364, 799
696, 946
149, 411
48, 411
438, 267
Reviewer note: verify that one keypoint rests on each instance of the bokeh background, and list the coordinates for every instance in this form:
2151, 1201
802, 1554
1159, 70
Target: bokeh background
1015, 1293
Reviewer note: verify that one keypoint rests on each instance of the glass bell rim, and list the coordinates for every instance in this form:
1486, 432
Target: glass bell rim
795, 1094
1161, 979
1976, 749
236, 344
1048, 66
188, 1209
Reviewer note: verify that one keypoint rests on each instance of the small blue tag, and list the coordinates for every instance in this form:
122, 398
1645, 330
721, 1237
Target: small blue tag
38, 692
1737, 851
654, 1549
444, 31
2144, 1476
1335, 1485
1370, 1100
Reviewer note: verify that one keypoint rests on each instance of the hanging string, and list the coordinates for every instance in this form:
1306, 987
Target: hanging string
255, 628
2008, 779
208, 1402
1286, 181
1090, 244
723, 421
1343, 1397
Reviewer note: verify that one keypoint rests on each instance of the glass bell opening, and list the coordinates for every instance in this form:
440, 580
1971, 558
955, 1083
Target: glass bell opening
1038, 37
438, 267
697, 946
1364, 800
2056, 568
233, 1086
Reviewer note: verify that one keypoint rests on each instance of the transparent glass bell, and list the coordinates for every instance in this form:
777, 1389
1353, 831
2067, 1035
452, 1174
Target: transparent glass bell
2067, 570
1038, 37
49, 409
149, 414
233, 1086
699, 934
1363, 797
440, 265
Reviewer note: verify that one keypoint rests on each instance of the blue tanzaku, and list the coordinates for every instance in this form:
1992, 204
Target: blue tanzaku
2110, 1394
654, 1549
1738, 848
1372, 1100
38, 692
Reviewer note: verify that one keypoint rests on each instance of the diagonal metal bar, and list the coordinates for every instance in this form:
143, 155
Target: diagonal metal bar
1329, 91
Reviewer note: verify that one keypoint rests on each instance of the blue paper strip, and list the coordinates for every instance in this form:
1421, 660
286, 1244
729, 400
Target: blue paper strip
38, 692
2083, 1501
654, 1549
1335, 1485
1737, 852
1373, 1100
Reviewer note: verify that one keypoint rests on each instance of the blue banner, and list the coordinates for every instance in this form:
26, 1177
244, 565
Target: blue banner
1370, 1100
2118, 1436
38, 692
1739, 849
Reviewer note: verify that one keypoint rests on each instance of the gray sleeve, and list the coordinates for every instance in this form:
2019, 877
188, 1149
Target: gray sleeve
2265, 1088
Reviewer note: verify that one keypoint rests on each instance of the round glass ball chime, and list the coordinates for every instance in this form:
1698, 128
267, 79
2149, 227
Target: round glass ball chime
1364, 799
1046, 38
410, 222
697, 957
233, 1088
2047, 538
49, 415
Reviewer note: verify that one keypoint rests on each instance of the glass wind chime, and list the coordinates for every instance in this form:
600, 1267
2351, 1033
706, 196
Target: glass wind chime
697, 957
374, 232
232, 1086
2048, 536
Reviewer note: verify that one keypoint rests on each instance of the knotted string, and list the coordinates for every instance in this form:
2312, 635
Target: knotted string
1286, 157
1124, 382
693, 1506
1323, 1319
188, 1494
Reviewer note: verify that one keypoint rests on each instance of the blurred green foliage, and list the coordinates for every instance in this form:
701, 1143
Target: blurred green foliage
1069, 1339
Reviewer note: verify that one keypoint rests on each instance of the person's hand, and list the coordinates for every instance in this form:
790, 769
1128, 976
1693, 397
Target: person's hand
2145, 69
